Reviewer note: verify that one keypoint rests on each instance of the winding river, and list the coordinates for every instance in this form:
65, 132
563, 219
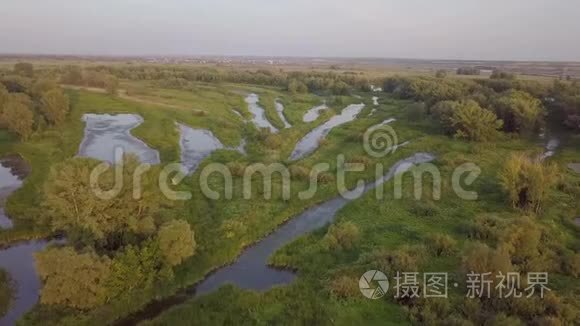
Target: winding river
309, 143
12, 172
17, 260
250, 270
280, 110
258, 113
313, 114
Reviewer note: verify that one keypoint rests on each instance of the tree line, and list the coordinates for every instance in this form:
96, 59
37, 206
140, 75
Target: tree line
30, 103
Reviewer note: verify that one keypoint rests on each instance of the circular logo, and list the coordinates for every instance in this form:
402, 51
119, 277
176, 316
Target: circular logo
380, 140
368, 281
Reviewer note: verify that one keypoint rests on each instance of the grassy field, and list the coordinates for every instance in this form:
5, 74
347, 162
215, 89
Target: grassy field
386, 225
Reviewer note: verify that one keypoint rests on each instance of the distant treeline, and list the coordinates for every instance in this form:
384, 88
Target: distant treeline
522, 105
296, 82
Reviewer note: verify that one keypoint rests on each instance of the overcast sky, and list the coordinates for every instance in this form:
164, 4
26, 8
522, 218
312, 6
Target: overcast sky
446, 29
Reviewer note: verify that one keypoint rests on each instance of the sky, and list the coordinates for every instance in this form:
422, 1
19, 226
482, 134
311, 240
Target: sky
423, 29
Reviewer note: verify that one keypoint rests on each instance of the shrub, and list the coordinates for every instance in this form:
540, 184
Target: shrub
486, 227
237, 169
342, 236
404, 259
527, 182
299, 172
441, 244
345, 287
424, 209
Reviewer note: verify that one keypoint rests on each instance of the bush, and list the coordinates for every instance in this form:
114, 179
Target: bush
300, 172
345, 287
527, 182
486, 227
342, 236
404, 259
441, 245
424, 209
237, 169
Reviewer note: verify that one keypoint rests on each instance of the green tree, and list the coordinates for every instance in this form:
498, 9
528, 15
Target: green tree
176, 241
24, 69
111, 84
528, 182
296, 86
72, 75
17, 117
472, 122
72, 202
55, 106
442, 73
72, 279
42, 86
521, 112
136, 268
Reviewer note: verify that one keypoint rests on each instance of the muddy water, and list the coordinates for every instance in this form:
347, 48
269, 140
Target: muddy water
280, 110
196, 145
310, 142
10, 180
314, 113
18, 261
258, 113
104, 133
551, 148
251, 270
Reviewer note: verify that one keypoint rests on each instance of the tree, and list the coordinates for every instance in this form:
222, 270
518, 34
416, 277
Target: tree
527, 182
498, 74
472, 122
521, 112
136, 268
176, 241
340, 88
24, 69
72, 75
443, 111
55, 106
42, 86
17, 117
442, 73
72, 201
111, 84
72, 279
296, 86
